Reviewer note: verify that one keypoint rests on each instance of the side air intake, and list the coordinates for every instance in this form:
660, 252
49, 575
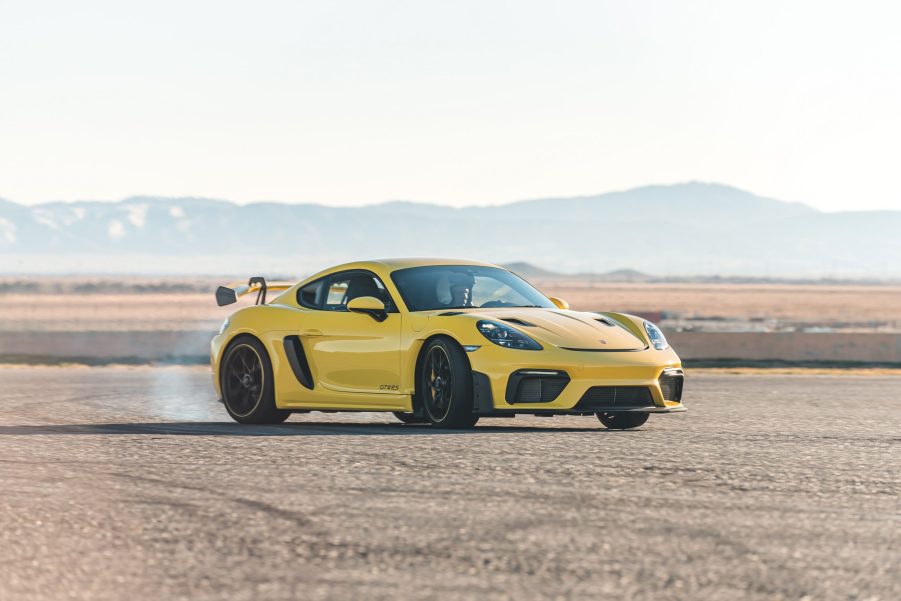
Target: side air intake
297, 359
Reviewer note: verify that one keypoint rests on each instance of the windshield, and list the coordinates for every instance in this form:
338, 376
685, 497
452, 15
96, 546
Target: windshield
464, 286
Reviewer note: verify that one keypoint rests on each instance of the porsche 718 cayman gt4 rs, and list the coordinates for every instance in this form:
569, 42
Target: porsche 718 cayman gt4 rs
435, 341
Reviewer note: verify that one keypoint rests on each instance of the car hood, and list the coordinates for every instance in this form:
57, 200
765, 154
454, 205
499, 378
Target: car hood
567, 329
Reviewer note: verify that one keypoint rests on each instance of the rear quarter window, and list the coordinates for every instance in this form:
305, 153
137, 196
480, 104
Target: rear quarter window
310, 296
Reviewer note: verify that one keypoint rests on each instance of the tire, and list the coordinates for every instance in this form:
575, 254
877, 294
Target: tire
248, 390
409, 418
623, 421
445, 385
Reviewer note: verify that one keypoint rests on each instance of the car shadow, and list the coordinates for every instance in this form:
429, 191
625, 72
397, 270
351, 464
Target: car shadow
287, 429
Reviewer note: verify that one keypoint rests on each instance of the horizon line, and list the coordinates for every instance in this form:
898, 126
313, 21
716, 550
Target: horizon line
420, 202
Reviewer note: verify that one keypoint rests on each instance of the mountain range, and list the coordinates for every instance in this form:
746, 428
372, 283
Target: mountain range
681, 229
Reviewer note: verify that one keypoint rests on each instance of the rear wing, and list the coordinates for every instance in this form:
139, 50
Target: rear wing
230, 293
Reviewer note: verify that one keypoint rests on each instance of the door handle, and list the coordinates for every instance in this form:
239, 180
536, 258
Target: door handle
311, 333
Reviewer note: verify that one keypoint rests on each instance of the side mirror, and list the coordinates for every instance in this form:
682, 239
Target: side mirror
369, 305
559, 302
225, 296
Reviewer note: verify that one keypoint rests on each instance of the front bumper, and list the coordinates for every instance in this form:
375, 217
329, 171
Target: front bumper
676, 408
648, 381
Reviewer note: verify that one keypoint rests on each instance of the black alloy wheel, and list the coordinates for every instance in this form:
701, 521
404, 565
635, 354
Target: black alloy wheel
622, 421
440, 384
247, 384
446, 385
243, 380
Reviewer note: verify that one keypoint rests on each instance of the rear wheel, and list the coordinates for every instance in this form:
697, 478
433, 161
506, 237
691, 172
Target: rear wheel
247, 385
622, 421
445, 385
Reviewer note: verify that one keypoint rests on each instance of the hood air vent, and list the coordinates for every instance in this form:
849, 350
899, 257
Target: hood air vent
519, 322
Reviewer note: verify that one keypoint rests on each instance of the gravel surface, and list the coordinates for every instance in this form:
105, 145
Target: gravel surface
131, 484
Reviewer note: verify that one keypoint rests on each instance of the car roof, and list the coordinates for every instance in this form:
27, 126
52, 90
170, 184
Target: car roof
388, 265
403, 263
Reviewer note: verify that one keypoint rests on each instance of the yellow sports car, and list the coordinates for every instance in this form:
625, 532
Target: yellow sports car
435, 341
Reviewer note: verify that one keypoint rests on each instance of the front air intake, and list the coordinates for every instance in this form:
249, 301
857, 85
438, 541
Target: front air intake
608, 398
671, 381
535, 385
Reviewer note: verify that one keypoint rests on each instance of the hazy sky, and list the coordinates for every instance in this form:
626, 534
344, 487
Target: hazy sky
455, 102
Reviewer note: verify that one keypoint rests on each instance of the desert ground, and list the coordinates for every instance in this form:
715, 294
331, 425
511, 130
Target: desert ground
67, 305
131, 483
811, 303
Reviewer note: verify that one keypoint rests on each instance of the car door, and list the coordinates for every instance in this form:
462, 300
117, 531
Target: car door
353, 353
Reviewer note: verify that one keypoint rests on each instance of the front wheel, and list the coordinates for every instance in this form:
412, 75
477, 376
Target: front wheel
622, 421
445, 385
247, 384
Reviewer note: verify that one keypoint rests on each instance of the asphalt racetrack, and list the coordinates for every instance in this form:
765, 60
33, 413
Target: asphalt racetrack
131, 483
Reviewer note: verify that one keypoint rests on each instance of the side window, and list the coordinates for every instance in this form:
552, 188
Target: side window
310, 296
337, 294
383, 295
341, 288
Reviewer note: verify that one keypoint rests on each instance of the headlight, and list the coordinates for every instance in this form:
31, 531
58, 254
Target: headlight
656, 336
507, 337
223, 326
